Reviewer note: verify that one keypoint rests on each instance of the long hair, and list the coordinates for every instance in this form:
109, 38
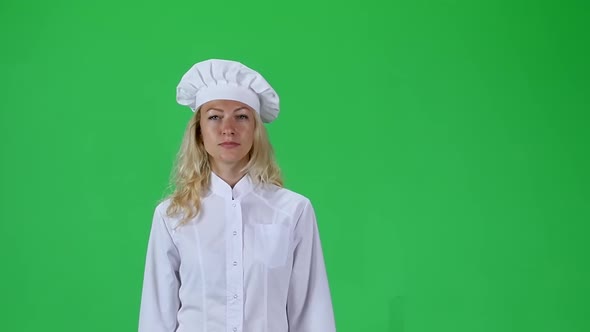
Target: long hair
192, 169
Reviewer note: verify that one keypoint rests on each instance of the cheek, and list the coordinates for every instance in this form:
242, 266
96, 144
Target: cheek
249, 135
207, 136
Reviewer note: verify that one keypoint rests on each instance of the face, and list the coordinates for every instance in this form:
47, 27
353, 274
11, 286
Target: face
227, 129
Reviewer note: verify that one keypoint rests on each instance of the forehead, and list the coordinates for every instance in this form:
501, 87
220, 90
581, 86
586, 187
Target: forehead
224, 105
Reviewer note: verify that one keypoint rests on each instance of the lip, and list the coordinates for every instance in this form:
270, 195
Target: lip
229, 144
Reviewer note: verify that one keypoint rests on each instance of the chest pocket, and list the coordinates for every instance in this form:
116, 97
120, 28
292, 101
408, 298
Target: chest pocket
271, 244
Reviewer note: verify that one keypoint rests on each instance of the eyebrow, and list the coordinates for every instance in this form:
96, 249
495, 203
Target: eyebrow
220, 110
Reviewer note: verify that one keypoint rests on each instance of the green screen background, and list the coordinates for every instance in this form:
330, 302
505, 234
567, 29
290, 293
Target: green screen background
444, 145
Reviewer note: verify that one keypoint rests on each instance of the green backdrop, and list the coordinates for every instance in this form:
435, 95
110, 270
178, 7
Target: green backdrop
444, 144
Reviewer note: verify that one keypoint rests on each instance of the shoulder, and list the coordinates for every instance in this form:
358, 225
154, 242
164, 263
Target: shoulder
278, 194
160, 213
162, 206
281, 198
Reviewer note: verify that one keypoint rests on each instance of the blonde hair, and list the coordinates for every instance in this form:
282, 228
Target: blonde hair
192, 169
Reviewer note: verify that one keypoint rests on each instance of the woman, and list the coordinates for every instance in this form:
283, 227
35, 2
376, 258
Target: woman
231, 250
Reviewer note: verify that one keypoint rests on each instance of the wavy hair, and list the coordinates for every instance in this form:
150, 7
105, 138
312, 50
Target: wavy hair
192, 170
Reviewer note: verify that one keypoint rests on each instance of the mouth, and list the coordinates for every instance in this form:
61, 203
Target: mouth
229, 144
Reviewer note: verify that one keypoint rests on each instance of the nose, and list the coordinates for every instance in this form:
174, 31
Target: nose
227, 127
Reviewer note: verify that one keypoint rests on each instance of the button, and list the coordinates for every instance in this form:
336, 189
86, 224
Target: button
235, 233
235, 329
235, 296
233, 204
235, 263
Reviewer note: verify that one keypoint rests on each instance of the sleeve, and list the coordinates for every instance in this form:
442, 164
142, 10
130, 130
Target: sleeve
309, 304
161, 282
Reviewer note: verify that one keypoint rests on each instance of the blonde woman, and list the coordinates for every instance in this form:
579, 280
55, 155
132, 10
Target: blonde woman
231, 250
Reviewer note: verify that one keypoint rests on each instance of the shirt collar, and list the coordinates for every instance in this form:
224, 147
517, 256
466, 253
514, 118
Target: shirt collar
221, 188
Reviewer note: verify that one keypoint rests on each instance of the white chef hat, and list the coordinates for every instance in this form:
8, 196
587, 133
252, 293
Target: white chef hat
223, 79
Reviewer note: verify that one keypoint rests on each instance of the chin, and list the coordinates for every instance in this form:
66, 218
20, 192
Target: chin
232, 159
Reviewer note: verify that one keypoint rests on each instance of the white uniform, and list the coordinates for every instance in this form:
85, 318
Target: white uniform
251, 261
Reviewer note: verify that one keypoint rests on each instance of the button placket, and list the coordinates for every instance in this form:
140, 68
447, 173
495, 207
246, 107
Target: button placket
234, 267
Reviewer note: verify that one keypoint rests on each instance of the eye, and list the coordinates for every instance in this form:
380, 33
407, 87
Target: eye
213, 117
243, 117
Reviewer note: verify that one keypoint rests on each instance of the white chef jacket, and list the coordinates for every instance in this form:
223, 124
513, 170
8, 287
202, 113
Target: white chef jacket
251, 261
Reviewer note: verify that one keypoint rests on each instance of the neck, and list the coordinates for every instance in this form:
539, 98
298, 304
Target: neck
231, 174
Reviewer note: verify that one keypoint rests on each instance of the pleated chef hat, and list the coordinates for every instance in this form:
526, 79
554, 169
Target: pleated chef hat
224, 79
